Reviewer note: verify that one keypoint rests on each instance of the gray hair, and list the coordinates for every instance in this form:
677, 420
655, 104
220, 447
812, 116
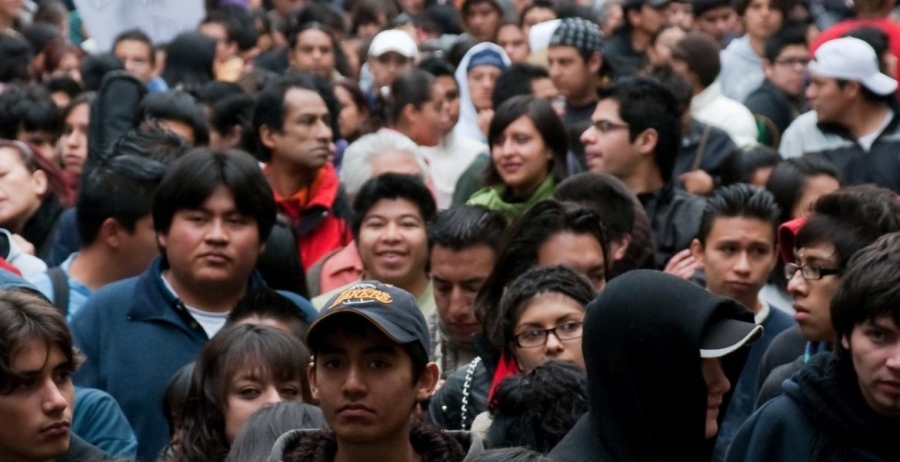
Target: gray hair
356, 166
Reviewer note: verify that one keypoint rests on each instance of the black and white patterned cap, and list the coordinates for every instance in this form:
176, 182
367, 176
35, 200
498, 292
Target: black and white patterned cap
580, 33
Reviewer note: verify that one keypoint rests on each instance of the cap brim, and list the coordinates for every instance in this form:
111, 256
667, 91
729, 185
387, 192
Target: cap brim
390, 48
393, 331
880, 84
727, 336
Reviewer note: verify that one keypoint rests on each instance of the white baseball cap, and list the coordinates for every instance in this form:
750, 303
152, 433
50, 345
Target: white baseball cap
850, 58
394, 40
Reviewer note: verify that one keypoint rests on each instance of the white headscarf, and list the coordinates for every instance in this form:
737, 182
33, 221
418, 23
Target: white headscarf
468, 116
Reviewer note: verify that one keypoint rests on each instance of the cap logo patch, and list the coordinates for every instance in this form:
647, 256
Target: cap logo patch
358, 295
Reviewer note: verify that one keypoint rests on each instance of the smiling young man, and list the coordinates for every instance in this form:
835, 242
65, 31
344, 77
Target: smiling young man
736, 248
370, 370
845, 405
212, 213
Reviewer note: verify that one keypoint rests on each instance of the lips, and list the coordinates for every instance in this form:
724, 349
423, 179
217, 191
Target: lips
737, 286
216, 257
891, 387
56, 429
801, 313
355, 410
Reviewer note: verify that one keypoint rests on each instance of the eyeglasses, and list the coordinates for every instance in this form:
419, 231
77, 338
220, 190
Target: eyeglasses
809, 271
605, 126
537, 337
791, 62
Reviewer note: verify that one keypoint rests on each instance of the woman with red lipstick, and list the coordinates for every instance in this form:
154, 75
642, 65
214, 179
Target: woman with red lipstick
528, 156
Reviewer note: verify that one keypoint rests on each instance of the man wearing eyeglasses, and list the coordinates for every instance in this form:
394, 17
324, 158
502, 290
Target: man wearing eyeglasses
842, 223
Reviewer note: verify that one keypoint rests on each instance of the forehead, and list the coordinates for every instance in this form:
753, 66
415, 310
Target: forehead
607, 109
484, 69
351, 332
313, 36
132, 47
821, 251
716, 13
511, 30
562, 51
794, 50
394, 208
731, 227
302, 100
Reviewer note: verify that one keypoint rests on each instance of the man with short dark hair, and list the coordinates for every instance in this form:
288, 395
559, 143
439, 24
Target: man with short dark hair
626, 50
465, 241
175, 111
845, 405
736, 247
716, 18
855, 121
224, 29
136, 51
481, 18
212, 213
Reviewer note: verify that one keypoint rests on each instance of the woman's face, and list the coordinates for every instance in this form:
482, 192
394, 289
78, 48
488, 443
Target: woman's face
549, 310
73, 142
250, 390
816, 187
20, 190
520, 156
428, 122
716, 387
350, 118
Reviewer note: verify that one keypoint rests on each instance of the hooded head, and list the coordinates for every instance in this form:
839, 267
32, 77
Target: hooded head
482, 54
643, 337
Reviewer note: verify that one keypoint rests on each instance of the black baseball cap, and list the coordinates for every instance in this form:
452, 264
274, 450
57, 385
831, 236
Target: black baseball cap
390, 309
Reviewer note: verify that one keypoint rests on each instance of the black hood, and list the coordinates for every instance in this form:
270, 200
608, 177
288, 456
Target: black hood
641, 345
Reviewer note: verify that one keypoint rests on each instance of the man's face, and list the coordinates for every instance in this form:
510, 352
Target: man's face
607, 146
481, 21
513, 42
314, 53
761, 19
738, 256
458, 276
37, 413
788, 72
212, 245
543, 88
393, 242
225, 49
136, 57
10, 9
138, 248
875, 348
648, 19
365, 386
717, 22
580, 252
482, 80
451, 100
387, 67
681, 15
305, 138
828, 99
812, 299
571, 75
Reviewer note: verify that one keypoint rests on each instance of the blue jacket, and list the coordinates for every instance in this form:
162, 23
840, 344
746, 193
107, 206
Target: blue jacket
136, 335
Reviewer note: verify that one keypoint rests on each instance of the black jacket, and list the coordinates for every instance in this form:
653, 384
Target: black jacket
641, 345
770, 102
81, 451
470, 385
621, 55
674, 220
705, 147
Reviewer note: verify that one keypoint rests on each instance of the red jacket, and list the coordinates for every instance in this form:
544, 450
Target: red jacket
319, 216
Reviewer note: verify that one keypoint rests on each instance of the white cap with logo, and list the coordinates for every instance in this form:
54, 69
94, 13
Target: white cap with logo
850, 58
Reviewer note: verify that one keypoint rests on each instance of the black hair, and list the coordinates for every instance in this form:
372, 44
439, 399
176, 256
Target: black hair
789, 179
175, 395
676, 84
534, 282
700, 7
868, 94
64, 84
545, 4
869, 288
121, 189
369, 12
77, 100
194, 177
30, 110
743, 163
440, 20
160, 145
189, 60
392, 186
464, 226
646, 104
602, 194
17, 54
548, 125
782, 39
322, 13
459, 49
174, 105
536, 409
511, 455
850, 219
266, 303
438, 67
230, 23
265, 426
229, 107
519, 253
738, 200
137, 35
340, 61
270, 107
781, 5
516, 80
412, 87
247, 35
94, 68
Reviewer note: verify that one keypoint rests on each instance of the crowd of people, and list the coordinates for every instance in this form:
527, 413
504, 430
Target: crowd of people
462, 230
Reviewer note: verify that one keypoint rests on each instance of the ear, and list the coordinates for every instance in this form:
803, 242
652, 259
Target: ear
621, 247
427, 382
595, 62
845, 342
233, 137
853, 88
267, 136
697, 252
409, 112
39, 182
111, 233
767, 68
162, 240
646, 141
311, 378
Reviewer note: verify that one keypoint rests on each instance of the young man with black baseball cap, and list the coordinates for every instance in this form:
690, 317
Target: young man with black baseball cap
370, 369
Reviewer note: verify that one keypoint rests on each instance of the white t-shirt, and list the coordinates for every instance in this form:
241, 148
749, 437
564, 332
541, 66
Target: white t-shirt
211, 322
866, 141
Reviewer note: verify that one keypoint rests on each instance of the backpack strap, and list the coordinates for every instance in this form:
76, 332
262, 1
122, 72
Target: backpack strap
60, 282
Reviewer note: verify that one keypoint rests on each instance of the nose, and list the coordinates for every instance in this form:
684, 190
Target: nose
354, 384
323, 130
796, 284
271, 395
589, 136
391, 232
460, 304
742, 265
54, 402
554, 346
217, 231
811, 92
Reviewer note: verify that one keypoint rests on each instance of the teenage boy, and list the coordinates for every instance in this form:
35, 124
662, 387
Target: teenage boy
465, 242
855, 121
736, 248
634, 136
481, 19
136, 51
392, 52
717, 19
370, 369
212, 213
116, 231
293, 121
846, 405
574, 62
742, 65
626, 50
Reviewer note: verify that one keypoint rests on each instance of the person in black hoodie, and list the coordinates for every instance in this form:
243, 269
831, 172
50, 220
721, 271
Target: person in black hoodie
660, 354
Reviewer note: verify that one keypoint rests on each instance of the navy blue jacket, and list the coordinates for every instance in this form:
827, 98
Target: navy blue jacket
136, 335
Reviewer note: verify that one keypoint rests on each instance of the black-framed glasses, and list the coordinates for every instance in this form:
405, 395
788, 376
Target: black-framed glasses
536, 337
605, 126
809, 271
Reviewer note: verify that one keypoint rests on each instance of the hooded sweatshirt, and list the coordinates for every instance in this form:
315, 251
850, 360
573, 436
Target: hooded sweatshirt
742, 70
468, 115
647, 394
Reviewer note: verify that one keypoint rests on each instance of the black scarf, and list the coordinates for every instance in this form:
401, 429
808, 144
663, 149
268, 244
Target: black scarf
39, 228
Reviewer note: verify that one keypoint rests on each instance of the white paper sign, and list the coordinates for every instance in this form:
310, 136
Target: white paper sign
162, 20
